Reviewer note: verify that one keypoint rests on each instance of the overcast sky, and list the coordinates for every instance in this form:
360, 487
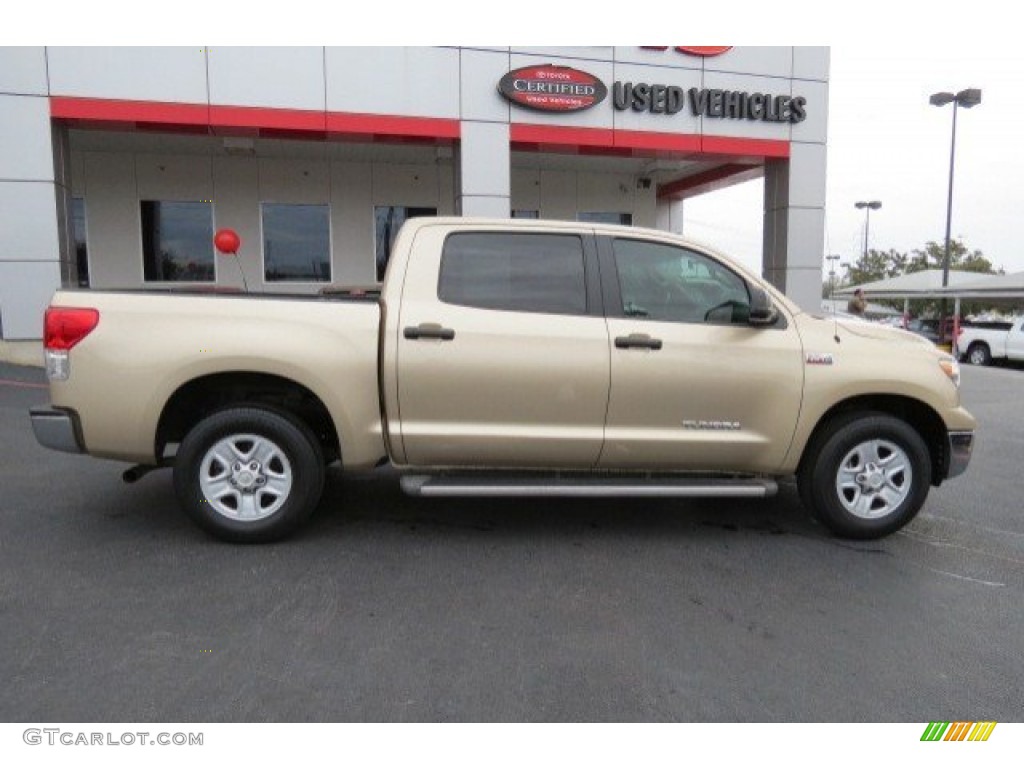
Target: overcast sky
885, 142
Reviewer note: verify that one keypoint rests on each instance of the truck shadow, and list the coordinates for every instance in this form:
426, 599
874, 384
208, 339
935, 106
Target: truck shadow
375, 500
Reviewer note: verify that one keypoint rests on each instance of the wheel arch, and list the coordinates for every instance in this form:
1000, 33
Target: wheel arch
203, 395
917, 414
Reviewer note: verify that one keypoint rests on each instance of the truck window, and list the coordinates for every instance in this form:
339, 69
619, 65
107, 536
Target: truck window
663, 282
516, 272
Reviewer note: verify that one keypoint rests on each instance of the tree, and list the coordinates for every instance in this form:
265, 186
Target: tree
877, 265
933, 254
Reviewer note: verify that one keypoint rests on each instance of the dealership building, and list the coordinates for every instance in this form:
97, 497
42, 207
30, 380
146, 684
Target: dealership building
118, 164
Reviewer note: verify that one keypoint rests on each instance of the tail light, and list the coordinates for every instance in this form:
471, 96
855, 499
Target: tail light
63, 328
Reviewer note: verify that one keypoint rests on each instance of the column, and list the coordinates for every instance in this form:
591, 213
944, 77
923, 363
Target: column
670, 216
484, 180
794, 223
794, 192
35, 254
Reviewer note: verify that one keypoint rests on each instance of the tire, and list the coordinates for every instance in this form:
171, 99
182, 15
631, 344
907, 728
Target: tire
866, 475
978, 354
248, 474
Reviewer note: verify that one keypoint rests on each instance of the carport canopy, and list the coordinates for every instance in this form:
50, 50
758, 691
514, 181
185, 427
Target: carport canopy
927, 284
989, 287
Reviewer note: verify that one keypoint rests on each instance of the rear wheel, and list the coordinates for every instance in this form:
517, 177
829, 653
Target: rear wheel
979, 354
866, 476
249, 474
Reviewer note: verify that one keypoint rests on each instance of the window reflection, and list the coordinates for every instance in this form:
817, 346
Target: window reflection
296, 242
517, 272
663, 282
606, 217
78, 234
388, 219
177, 241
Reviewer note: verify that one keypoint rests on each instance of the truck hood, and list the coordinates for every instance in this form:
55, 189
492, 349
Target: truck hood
868, 330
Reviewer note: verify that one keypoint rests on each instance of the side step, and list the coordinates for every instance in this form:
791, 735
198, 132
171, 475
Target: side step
496, 485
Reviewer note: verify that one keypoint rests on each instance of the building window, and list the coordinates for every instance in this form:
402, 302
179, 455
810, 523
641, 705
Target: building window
388, 219
516, 272
606, 217
78, 234
296, 243
177, 241
523, 213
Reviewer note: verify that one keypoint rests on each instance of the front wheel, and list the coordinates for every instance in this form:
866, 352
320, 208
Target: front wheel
867, 475
249, 474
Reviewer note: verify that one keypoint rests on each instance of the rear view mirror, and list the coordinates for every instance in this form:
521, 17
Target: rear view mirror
762, 312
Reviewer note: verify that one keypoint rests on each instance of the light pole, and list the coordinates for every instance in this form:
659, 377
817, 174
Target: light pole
833, 258
868, 206
967, 98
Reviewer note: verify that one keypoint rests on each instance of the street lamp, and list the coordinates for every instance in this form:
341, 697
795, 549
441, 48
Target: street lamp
834, 257
868, 206
967, 98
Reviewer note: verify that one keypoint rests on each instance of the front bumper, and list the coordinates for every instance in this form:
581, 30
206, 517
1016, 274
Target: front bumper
960, 446
57, 429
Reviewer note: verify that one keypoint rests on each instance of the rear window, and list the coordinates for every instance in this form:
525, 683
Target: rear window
514, 271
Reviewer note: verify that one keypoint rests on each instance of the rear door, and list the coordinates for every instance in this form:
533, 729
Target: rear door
694, 386
503, 355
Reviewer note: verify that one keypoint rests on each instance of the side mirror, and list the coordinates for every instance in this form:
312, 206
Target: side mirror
762, 312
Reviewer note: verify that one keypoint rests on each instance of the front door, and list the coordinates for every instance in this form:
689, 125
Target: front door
694, 386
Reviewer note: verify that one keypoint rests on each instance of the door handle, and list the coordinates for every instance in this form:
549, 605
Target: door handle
637, 341
429, 331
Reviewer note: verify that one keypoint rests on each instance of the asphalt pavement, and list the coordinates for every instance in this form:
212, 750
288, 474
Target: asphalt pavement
113, 607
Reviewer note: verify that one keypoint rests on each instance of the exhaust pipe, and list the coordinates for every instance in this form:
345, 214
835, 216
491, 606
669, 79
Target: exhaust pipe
136, 473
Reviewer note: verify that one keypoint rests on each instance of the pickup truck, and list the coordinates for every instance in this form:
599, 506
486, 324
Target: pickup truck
508, 358
980, 345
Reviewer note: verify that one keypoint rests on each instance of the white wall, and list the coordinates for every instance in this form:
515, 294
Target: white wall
113, 183
561, 194
33, 245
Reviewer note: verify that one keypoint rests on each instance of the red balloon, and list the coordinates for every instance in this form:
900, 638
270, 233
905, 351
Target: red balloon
227, 241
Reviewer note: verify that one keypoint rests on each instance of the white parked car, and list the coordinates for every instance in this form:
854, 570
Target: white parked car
981, 345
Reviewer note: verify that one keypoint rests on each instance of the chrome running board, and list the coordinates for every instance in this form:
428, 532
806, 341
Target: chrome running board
480, 486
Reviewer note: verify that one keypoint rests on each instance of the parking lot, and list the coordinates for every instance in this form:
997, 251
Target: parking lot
386, 608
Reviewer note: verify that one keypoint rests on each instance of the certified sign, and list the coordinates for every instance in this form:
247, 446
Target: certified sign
550, 88
693, 50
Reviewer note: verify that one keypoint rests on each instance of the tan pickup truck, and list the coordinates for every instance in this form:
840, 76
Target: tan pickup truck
517, 358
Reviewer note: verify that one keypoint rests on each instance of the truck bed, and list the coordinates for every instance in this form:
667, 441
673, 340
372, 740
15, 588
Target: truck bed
149, 344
